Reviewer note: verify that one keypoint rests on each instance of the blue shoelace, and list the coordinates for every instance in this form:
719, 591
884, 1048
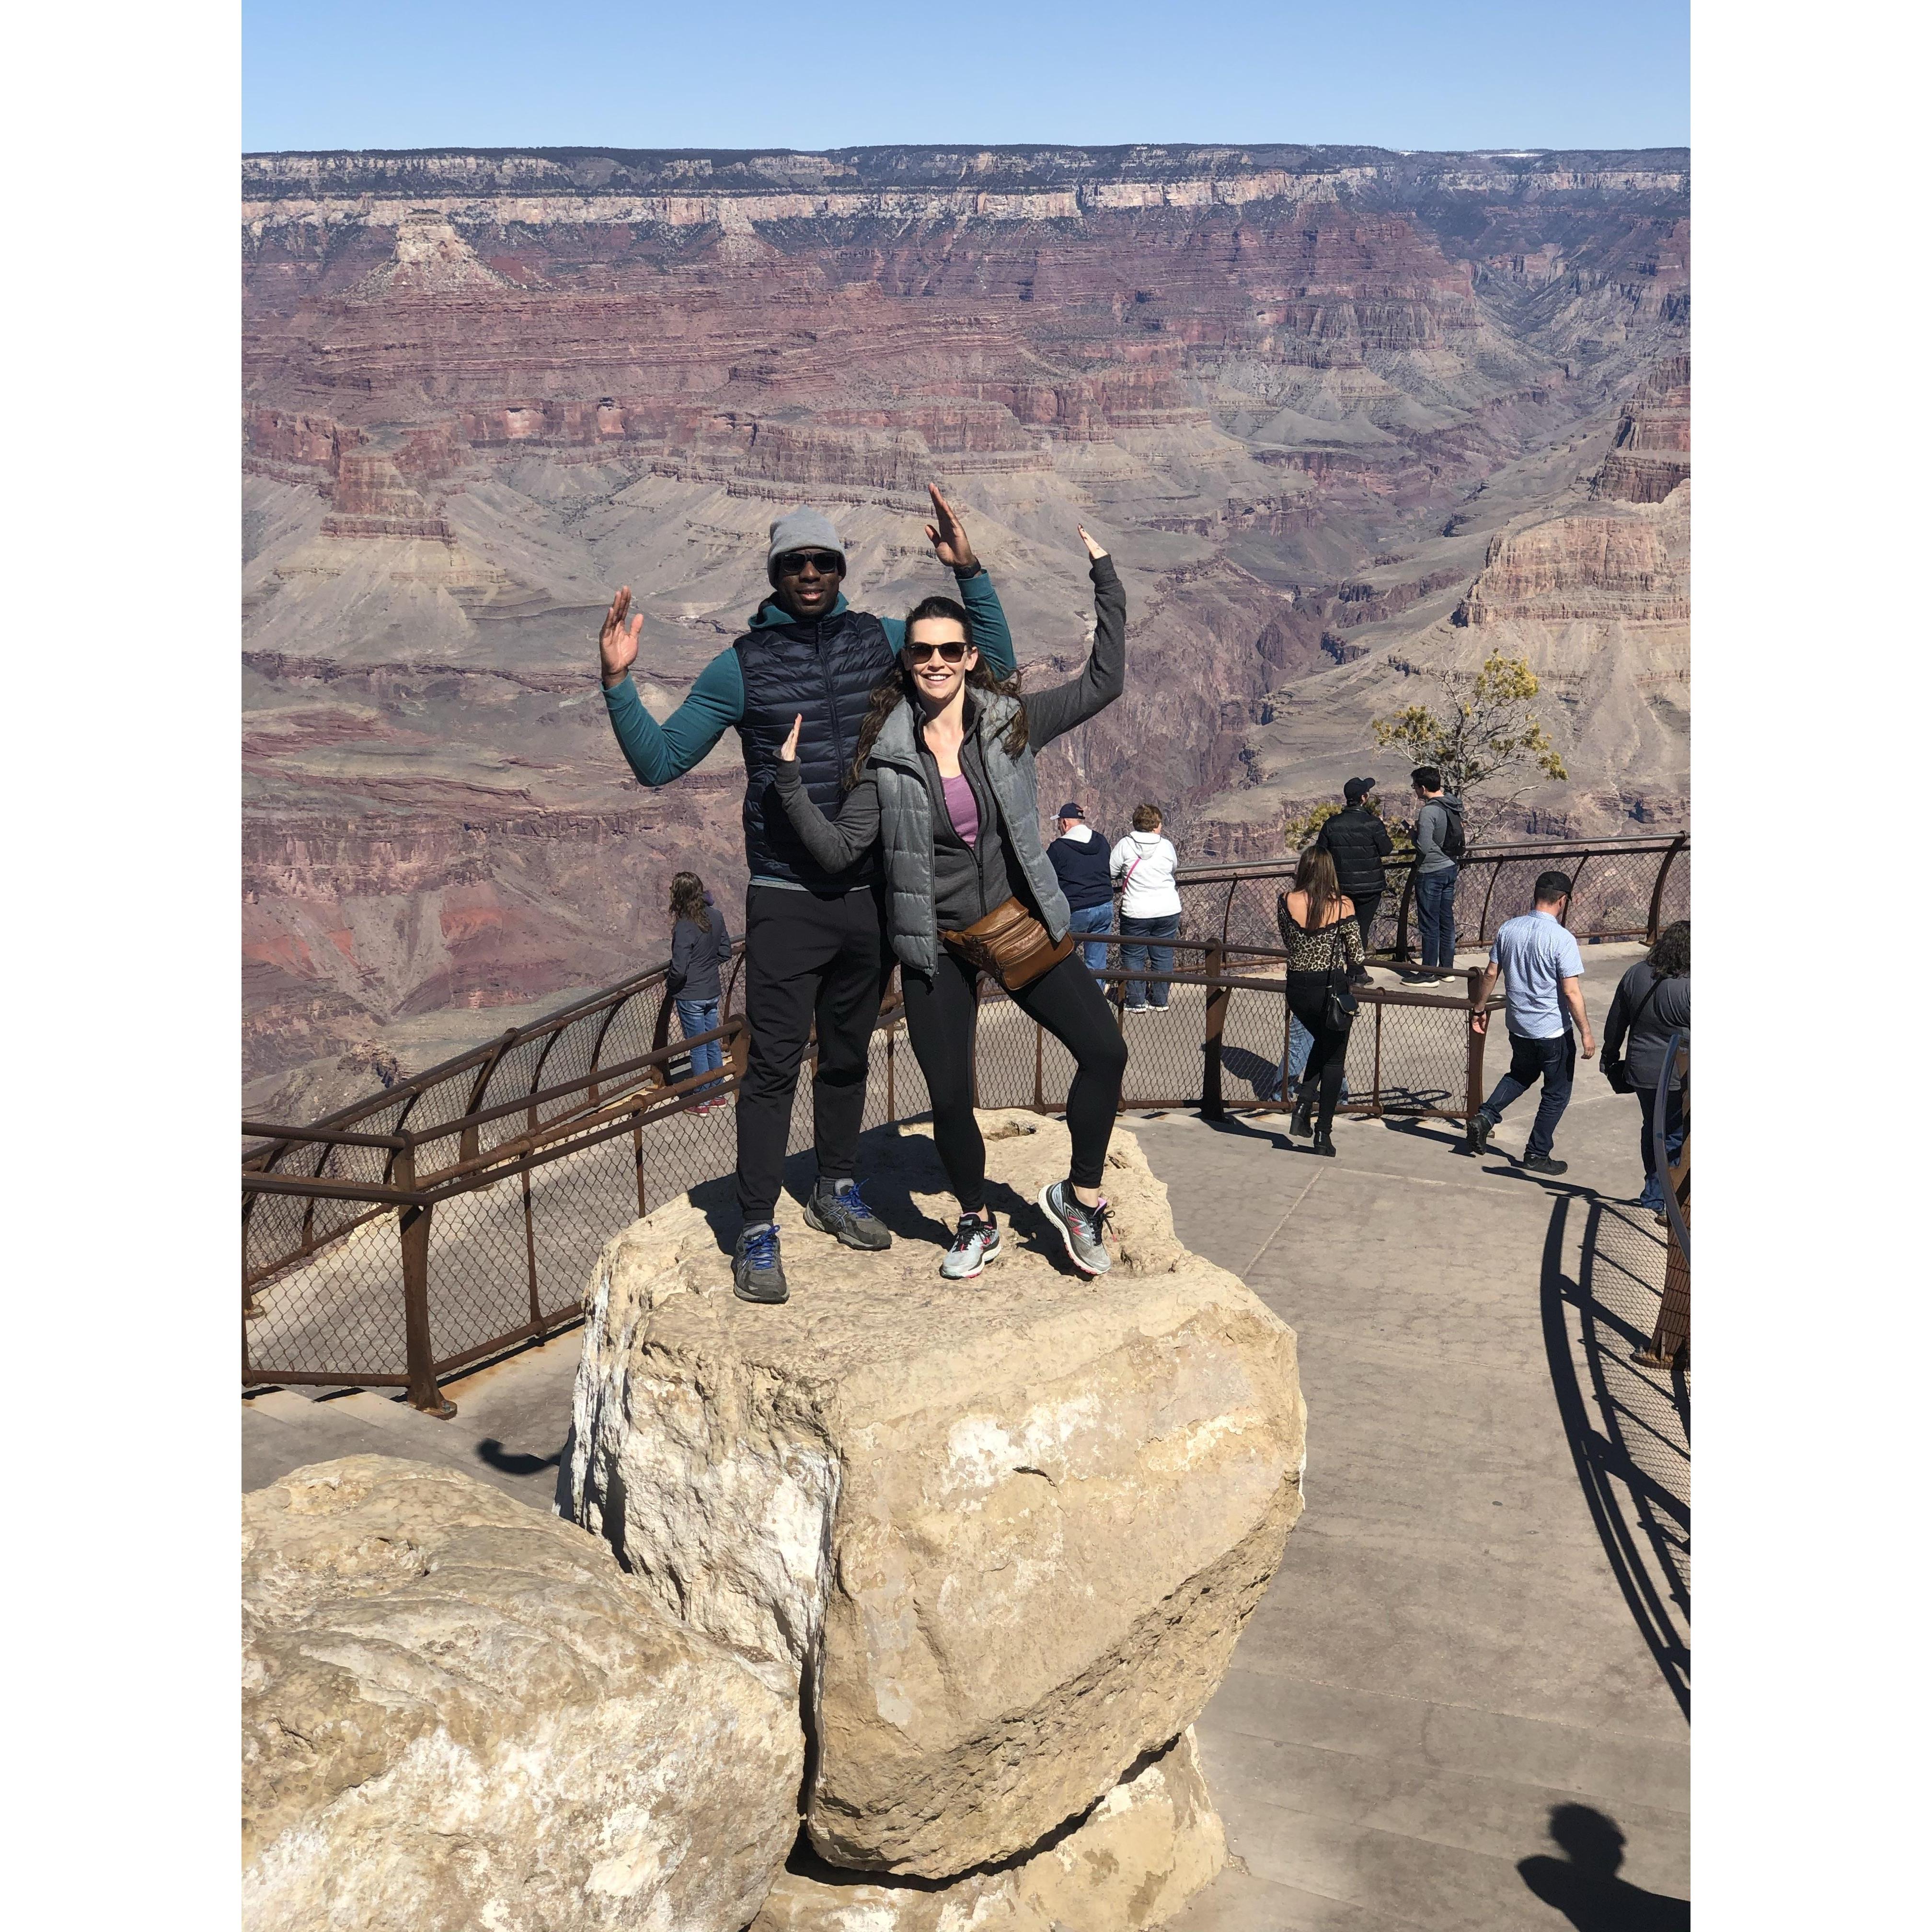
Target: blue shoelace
761, 1248
854, 1200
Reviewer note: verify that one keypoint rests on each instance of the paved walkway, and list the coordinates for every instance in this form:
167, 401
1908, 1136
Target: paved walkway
1483, 1614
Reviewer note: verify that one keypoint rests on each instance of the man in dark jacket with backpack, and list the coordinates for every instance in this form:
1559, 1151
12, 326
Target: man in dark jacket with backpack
1439, 844
1358, 841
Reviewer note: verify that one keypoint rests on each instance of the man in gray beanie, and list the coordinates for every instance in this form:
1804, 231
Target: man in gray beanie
815, 943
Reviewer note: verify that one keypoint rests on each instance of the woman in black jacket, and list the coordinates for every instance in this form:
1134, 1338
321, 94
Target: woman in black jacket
700, 946
944, 780
1652, 1002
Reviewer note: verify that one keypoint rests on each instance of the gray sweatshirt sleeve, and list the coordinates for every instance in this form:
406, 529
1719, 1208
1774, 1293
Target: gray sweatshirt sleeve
1051, 713
684, 936
834, 846
1429, 835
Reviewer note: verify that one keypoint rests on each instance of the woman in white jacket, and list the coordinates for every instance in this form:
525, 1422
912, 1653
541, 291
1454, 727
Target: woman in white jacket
1143, 864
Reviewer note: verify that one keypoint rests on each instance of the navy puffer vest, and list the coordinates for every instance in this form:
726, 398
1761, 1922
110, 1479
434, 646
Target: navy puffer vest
825, 669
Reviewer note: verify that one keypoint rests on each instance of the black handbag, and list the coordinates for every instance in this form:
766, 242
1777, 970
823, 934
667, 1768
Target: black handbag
1617, 1071
1341, 1006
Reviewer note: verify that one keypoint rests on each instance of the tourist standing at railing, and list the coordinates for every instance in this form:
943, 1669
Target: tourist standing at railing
1144, 864
1652, 1003
700, 950
1324, 946
1542, 971
815, 943
1438, 845
944, 781
1079, 857
1358, 841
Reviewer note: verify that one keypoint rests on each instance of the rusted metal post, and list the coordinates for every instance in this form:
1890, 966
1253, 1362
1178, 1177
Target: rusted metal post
412, 1226
1216, 1023
1472, 1098
1402, 911
1376, 1102
1654, 925
530, 1250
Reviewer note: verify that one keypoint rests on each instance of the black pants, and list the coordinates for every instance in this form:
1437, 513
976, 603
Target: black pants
1367, 905
1328, 1057
939, 1015
806, 958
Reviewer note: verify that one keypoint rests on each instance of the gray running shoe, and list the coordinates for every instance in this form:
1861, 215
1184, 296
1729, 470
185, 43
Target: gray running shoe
1083, 1229
843, 1212
756, 1273
977, 1242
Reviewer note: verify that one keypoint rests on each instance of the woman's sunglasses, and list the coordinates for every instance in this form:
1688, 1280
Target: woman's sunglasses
952, 651
826, 563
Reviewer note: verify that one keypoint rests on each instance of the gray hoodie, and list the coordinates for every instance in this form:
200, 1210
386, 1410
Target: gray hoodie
1429, 828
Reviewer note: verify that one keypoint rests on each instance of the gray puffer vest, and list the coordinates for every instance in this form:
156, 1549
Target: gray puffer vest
905, 828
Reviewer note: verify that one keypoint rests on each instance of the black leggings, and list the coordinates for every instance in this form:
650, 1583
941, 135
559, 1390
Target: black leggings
1328, 1058
1065, 999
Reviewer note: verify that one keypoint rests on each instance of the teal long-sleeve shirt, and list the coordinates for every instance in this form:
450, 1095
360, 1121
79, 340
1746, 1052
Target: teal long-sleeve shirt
659, 753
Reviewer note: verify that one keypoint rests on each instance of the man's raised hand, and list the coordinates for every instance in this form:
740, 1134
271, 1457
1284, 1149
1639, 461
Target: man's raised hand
1093, 550
949, 540
788, 751
617, 642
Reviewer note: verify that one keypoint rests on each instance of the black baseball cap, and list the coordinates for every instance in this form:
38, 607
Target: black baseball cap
1070, 811
1356, 789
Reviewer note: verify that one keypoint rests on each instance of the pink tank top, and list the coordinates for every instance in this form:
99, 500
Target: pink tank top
962, 808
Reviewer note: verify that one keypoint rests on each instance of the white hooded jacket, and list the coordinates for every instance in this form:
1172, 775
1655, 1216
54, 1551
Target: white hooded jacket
1143, 864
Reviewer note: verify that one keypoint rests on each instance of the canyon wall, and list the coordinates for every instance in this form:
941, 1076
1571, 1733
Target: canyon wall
1344, 416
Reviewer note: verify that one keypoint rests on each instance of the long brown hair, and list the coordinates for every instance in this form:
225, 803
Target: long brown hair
899, 689
687, 900
1315, 874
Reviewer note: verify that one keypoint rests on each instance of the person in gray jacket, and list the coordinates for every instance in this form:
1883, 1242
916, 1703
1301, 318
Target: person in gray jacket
946, 783
1652, 1002
1439, 844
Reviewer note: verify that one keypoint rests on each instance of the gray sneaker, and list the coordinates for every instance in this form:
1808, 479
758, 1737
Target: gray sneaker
1543, 1163
977, 1242
842, 1211
1083, 1229
756, 1274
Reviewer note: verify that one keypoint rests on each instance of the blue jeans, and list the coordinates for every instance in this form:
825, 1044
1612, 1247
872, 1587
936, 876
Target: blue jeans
701, 1016
1093, 919
1148, 958
1551, 1061
1435, 912
1652, 1196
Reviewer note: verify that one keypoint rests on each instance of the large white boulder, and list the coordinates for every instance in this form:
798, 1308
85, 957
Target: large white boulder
1147, 1847
1003, 1534
459, 1714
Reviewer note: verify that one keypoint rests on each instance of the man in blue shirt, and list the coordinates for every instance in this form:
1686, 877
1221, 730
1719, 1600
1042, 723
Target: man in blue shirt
815, 943
1542, 969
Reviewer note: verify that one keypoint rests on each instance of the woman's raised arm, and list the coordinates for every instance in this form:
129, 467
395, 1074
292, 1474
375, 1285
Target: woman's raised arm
1050, 713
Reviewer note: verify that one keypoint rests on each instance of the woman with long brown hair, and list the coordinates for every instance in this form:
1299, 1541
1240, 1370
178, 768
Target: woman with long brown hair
944, 781
700, 946
1324, 946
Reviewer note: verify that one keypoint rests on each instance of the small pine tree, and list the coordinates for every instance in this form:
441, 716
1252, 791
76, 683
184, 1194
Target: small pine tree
1487, 732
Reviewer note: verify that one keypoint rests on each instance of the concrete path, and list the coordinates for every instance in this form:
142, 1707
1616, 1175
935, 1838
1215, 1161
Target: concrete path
1482, 1616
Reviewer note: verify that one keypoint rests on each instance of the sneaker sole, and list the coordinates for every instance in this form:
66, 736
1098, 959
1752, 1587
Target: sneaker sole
745, 1293
1066, 1237
844, 1240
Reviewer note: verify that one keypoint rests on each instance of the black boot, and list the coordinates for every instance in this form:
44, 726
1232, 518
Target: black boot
1325, 1142
1303, 1121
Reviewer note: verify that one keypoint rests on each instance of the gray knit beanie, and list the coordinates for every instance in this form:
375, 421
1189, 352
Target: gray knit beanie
802, 529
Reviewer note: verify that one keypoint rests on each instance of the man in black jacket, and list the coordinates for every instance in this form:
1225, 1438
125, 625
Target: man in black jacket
1080, 862
1358, 841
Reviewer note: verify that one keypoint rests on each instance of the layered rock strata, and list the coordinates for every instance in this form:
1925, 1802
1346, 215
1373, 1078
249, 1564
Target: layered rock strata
1002, 1537
459, 1712
1132, 1862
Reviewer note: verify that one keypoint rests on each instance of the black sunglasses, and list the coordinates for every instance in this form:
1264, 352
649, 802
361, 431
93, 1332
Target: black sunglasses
826, 563
952, 651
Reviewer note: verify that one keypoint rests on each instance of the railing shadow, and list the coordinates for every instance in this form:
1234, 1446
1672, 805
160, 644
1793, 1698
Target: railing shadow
1628, 1427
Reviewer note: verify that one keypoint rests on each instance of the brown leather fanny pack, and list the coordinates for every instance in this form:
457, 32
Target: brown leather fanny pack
1010, 944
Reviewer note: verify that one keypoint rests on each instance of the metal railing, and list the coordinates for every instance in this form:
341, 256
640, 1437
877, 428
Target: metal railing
456, 1214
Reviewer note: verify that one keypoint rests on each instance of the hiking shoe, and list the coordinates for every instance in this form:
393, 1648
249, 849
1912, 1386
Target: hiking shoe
1541, 1163
1083, 1228
976, 1242
1481, 1128
756, 1274
1302, 1121
842, 1211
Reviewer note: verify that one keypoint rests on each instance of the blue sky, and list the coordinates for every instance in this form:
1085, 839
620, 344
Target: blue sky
1404, 73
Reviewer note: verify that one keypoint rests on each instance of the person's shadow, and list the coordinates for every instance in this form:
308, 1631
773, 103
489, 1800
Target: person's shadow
1584, 1885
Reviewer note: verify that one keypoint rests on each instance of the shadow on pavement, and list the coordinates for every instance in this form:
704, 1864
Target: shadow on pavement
1629, 1430
1583, 1884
